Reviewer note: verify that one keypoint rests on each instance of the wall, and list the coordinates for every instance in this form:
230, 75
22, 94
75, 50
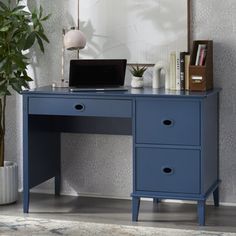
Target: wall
101, 164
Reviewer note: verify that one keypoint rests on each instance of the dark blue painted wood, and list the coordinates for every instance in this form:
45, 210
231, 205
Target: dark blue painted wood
26, 188
175, 138
156, 200
216, 197
145, 92
80, 107
167, 170
168, 121
135, 208
44, 154
209, 136
83, 124
201, 212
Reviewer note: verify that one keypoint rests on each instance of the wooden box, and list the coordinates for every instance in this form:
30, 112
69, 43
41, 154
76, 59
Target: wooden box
201, 76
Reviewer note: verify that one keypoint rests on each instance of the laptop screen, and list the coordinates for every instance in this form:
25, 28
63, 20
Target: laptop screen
97, 73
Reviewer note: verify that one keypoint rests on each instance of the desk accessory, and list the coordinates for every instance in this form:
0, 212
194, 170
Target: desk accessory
73, 40
159, 67
201, 66
137, 76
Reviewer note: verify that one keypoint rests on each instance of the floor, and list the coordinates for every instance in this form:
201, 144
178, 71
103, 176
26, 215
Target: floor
101, 210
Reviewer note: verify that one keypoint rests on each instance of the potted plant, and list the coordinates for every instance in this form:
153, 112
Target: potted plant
19, 30
137, 76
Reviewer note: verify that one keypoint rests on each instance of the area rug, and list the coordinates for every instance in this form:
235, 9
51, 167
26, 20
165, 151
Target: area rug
27, 226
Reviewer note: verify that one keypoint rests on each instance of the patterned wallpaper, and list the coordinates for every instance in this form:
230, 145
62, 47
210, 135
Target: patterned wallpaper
101, 164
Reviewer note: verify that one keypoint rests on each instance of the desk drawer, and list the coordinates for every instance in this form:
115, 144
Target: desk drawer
168, 122
80, 107
167, 170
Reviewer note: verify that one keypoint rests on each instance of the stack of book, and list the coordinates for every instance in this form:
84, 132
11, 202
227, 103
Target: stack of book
179, 70
201, 55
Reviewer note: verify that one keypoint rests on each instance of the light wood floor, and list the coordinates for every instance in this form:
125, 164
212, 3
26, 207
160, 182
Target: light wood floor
100, 210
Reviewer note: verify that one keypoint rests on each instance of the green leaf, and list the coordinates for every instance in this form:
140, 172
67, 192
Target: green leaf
3, 6
40, 43
4, 29
46, 17
17, 87
18, 8
2, 63
43, 36
19, 61
40, 12
30, 41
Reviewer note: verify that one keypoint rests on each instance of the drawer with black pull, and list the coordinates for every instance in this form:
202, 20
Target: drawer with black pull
168, 122
167, 170
80, 107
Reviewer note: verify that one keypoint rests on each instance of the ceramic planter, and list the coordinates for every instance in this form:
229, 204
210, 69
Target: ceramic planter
8, 182
137, 82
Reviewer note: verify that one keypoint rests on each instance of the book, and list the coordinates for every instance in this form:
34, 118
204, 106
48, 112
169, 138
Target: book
202, 56
200, 48
172, 70
187, 63
182, 70
177, 74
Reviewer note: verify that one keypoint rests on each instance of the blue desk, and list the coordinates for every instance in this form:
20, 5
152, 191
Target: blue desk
175, 138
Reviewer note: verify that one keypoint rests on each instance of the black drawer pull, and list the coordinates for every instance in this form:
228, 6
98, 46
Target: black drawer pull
79, 107
167, 122
167, 170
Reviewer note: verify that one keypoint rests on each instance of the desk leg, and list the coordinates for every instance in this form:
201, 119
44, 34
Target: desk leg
201, 212
156, 200
58, 184
216, 197
26, 196
135, 208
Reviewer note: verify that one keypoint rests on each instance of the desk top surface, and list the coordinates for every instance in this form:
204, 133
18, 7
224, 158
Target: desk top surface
131, 92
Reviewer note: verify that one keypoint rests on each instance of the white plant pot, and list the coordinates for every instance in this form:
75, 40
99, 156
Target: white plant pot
8, 182
137, 82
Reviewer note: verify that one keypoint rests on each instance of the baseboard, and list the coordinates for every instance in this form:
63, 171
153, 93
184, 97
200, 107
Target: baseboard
75, 194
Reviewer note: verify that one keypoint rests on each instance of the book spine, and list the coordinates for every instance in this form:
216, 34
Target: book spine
202, 57
182, 70
177, 87
201, 47
172, 70
187, 63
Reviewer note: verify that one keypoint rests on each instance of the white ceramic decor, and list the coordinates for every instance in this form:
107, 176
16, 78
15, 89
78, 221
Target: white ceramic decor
8, 182
157, 69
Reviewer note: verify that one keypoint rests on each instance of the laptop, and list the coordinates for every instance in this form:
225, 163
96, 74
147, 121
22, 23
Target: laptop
97, 75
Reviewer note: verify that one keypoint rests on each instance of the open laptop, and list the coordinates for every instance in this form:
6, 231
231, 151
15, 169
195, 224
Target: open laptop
97, 75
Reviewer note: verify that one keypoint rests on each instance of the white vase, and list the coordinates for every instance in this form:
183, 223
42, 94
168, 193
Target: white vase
137, 82
8, 182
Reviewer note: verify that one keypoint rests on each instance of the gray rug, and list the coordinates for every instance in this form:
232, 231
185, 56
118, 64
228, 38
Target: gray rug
27, 226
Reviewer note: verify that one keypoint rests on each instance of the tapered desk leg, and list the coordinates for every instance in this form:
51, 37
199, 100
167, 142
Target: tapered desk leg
156, 200
58, 184
201, 212
26, 201
135, 208
216, 197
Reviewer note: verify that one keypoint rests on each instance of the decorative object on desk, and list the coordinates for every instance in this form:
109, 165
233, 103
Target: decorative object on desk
201, 66
137, 76
73, 39
179, 70
13, 73
160, 67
